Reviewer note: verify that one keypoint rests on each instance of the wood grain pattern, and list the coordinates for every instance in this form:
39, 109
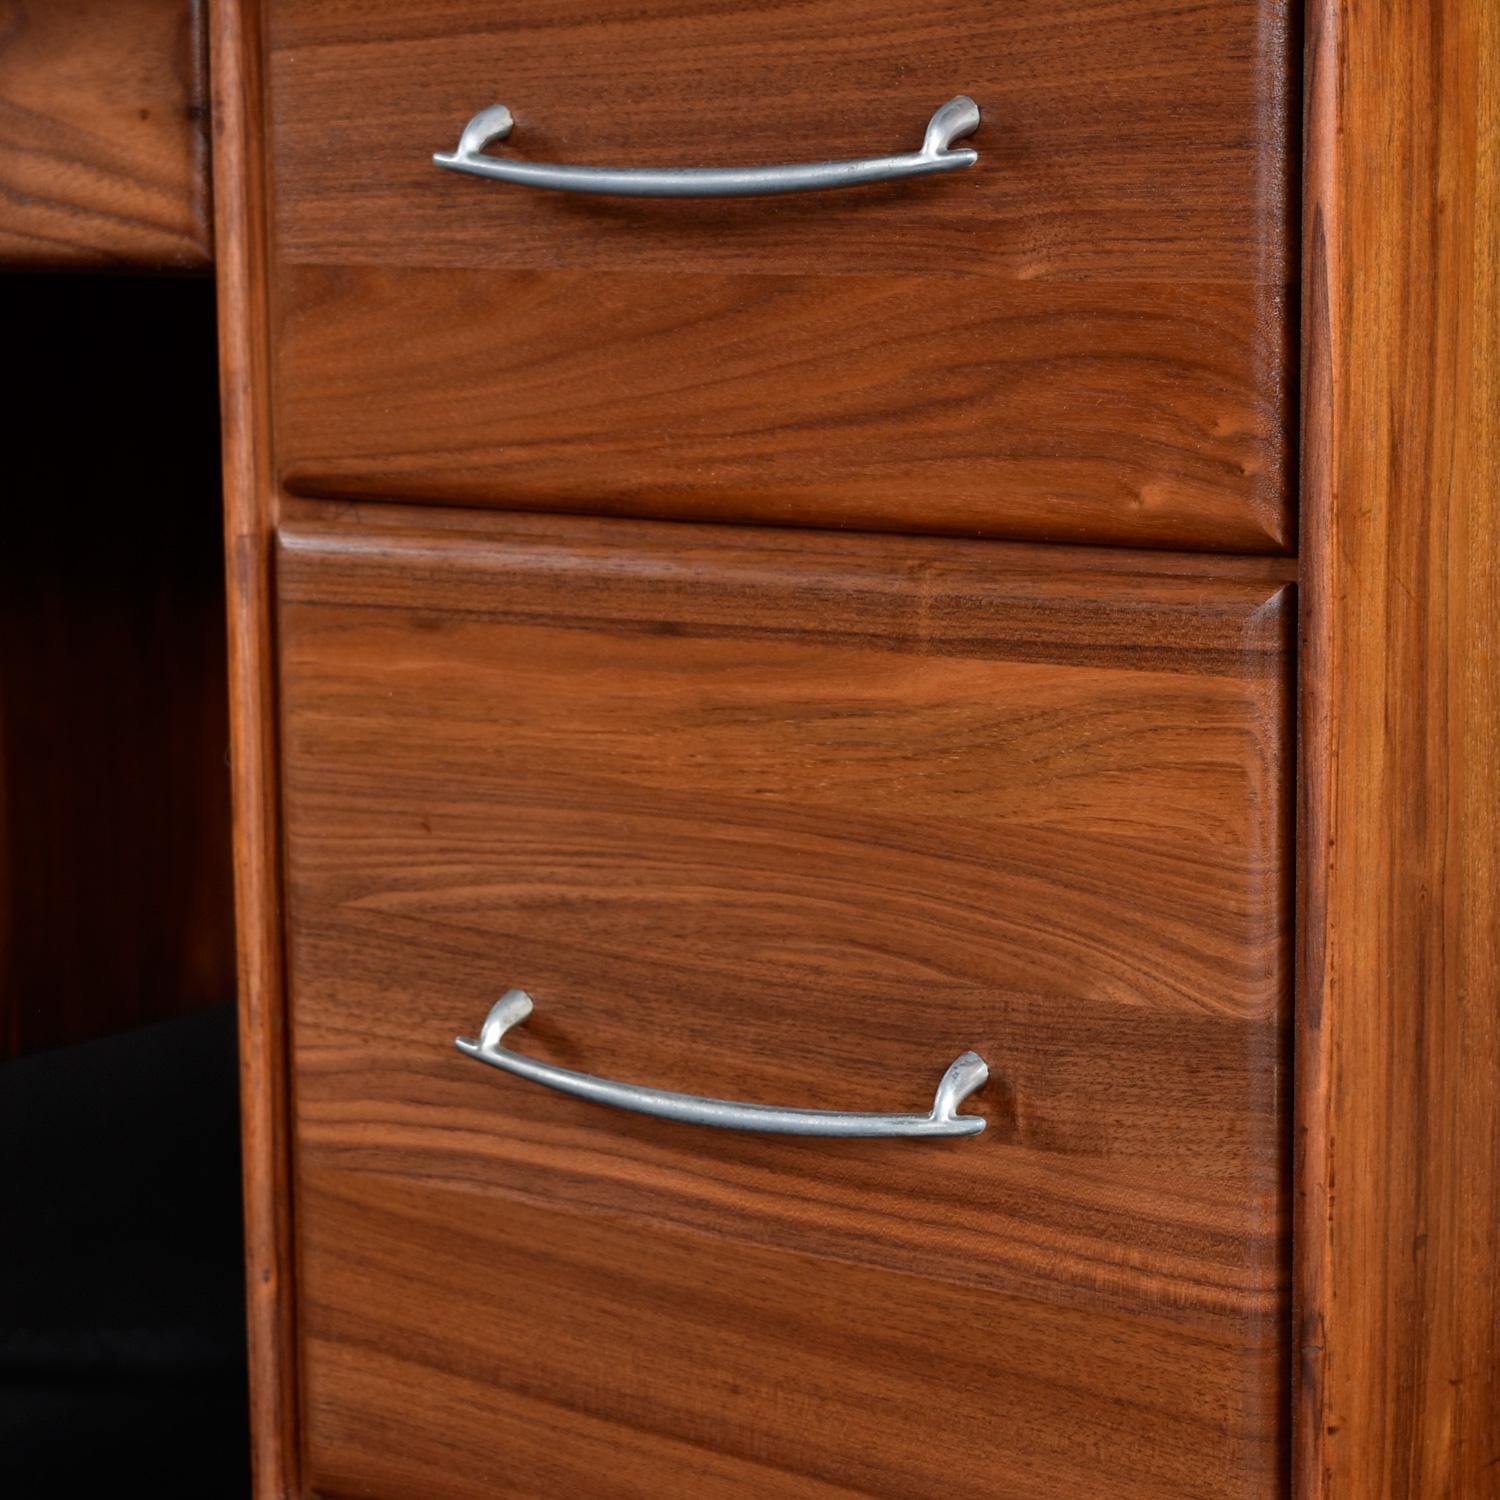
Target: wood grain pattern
103, 134
896, 404
1139, 141
723, 1368
1399, 1050
250, 505
795, 822
1084, 338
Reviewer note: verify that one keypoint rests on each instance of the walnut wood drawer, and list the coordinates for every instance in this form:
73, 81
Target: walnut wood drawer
1086, 336
765, 817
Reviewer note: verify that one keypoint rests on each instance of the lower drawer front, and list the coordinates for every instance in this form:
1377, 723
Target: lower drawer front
794, 820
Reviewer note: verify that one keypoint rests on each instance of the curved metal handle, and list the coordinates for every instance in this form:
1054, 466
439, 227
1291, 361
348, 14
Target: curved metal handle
964, 1075
957, 118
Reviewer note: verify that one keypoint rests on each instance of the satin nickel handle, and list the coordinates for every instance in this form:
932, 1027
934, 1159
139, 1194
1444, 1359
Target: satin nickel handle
957, 118
964, 1075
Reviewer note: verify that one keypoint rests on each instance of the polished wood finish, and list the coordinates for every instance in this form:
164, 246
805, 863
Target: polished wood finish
1099, 122
519, 1349
1399, 1059
420, 1231
104, 135
762, 815
904, 403
1085, 337
114, 796
249, 518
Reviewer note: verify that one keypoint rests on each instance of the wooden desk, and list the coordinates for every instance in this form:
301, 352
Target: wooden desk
803, 638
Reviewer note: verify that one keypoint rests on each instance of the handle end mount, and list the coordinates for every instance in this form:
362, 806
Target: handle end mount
509, 1010
487, 127
958, 118
965, 1074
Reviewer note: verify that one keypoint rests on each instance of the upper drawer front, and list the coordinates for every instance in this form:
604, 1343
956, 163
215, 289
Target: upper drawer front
1084, 336
797, 825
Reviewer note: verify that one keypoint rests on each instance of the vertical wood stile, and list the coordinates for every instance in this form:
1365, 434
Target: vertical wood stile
1398, 1156
240, 199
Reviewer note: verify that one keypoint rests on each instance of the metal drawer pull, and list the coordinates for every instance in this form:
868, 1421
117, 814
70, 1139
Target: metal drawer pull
965, 1074
957, 118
